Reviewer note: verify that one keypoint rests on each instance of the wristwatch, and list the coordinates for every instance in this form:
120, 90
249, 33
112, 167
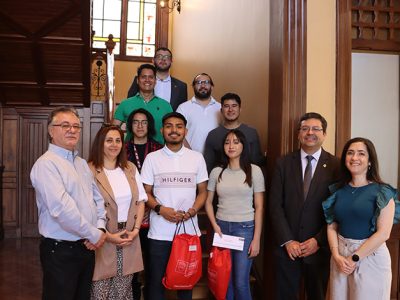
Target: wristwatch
157, 209
355, 258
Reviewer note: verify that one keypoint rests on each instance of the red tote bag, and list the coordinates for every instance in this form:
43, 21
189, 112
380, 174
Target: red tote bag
219, 271
184, 264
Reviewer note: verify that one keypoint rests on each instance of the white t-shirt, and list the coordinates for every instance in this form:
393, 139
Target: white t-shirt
122, 191
201, 120
174, 177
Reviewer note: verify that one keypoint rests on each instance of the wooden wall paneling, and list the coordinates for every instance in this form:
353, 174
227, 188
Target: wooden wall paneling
34, 141
394, 248
24, 140
10, 176
343, 73
287, 98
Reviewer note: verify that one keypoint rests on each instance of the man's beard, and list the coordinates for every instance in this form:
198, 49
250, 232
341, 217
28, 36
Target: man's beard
200, 95
162, 69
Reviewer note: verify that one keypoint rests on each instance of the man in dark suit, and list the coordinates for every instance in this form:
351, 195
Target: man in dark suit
299, 185
168, 88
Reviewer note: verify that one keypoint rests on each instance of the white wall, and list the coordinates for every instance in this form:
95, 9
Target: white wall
375, 107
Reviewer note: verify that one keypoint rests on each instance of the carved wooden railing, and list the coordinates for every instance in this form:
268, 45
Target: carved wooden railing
102, 76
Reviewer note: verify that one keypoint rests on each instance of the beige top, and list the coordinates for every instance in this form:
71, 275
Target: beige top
235, 197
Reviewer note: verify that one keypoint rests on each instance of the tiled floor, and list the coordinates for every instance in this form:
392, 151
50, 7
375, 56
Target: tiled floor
20, 272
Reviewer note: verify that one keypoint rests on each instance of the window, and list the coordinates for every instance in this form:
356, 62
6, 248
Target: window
138, 27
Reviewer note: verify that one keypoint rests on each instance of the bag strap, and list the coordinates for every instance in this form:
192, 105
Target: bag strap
193, 225
179, 225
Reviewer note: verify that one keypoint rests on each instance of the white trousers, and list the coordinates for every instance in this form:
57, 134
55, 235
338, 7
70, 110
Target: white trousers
371, 279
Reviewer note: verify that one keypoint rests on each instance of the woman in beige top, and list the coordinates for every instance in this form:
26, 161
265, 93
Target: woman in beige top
240, 188
124, 196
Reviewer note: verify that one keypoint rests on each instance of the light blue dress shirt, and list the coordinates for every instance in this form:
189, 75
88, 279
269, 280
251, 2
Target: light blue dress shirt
70, 206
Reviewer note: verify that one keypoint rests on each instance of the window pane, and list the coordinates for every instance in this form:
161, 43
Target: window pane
140, 27
98, 27
98, 9
116, 49
112, 27
134, 49
149, 23
148, 50
133, 11
133, 31
112, 9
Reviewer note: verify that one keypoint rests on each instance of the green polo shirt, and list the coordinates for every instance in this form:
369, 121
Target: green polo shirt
157, 107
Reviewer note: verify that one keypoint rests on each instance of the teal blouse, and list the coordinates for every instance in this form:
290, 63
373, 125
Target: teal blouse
384, 194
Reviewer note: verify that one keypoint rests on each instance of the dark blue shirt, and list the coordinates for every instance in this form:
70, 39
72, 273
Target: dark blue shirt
354, 210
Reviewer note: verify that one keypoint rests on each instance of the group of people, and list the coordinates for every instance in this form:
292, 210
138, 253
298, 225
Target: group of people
104, 221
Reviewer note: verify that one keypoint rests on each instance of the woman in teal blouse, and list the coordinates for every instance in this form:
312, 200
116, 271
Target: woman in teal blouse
360, 216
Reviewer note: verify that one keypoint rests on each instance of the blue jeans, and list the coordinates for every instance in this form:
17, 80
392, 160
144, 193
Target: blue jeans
239, 283
158, 259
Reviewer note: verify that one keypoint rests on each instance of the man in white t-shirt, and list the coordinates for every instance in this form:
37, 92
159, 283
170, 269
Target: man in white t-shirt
171, 177
202, 112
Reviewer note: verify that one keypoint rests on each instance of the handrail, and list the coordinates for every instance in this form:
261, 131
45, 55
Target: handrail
102, 76
1, 203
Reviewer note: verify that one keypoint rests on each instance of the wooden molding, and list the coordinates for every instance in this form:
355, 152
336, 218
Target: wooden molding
287, 97
343, 74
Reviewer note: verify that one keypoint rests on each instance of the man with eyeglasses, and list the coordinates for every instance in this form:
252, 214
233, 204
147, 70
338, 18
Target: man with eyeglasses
146, 99
299, 185
167, 87
230, 111
71, 211
202, 112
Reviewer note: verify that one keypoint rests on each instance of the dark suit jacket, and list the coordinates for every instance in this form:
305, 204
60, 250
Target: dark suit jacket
178, 91
294, 218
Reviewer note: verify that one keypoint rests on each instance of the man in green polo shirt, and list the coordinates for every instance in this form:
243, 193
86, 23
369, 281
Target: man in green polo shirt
146, 99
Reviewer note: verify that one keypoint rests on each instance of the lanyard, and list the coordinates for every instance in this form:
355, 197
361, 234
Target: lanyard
146, 151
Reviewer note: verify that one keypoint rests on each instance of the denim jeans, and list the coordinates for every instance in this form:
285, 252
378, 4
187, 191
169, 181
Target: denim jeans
158, 259
239, 283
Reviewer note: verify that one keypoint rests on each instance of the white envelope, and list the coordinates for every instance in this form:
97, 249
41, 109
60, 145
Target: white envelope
228, 241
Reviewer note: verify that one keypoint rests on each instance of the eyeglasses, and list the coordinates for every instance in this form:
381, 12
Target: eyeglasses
142, 123
160, 57
200, 82
67, 126
313, 128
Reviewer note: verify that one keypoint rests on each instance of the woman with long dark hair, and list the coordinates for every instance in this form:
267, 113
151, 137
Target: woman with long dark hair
124, 196
140, 126
240, 188
360, 216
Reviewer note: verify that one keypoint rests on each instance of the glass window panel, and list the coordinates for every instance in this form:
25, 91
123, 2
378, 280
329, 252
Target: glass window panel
133, 11
112, 9
134, 49
117, 47
148, 50
133, 31
112, 27
149, 23
98, 9
98, 44
98, 27
151, 1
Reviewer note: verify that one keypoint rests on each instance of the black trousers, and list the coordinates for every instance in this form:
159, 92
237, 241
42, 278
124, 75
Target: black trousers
289, 274
136, 284
67, 270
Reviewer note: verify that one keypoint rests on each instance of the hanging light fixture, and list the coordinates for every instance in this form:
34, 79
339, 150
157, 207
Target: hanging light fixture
174, 3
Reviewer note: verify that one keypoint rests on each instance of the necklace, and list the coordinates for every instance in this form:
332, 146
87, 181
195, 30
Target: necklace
354, 189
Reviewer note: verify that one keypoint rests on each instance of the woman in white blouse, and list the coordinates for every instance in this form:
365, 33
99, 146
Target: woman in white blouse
124, 196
